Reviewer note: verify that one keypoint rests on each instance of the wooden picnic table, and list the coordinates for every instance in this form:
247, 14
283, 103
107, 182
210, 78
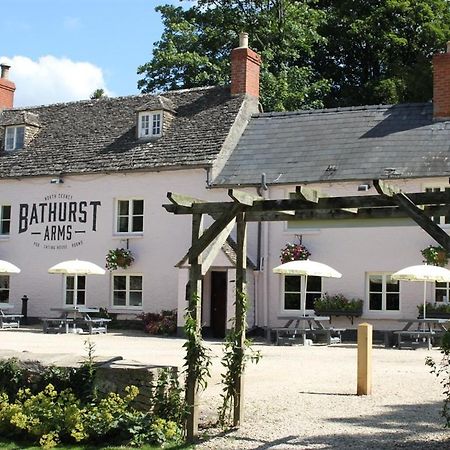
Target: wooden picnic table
304, 326
426, 329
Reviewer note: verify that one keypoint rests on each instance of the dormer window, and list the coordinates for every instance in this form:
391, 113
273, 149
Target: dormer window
14, 139
150, 124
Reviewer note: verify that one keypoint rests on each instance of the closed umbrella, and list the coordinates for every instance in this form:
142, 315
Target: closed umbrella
77, 267
7, 267
306, 267
423, 273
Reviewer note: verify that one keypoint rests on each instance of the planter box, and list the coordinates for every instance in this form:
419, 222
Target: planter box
435, 315
350, 314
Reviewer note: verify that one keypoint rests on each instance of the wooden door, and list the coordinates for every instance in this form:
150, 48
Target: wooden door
218, 304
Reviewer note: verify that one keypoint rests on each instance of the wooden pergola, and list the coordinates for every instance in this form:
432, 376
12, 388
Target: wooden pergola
307, 204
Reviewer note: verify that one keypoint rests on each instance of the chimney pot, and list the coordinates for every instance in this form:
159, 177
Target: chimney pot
4, 71
243, 40
245, 65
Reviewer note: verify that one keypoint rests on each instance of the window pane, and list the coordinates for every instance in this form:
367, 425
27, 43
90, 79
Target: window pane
4, 296
4, 281
138, 224
6, 212
135, 298
119, 298
392, 285
441, 295
392, 302
69, 297
81, 298
314, 284
9, 145
135, 283
123, 224
123, 207
138, 207
20, 133
120, 283
70, 282
376, 283
310, 297
375, 302
292, 284
81, 282
292, 301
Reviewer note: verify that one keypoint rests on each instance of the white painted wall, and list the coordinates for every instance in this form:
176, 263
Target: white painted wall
165, 240
354, 251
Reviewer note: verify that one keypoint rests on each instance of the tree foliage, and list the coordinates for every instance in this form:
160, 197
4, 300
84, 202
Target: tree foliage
315, 52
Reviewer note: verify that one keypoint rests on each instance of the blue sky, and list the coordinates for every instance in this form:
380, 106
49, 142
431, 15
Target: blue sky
62, 50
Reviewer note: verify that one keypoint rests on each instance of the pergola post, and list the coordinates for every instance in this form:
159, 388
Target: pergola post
240, 319
195, 305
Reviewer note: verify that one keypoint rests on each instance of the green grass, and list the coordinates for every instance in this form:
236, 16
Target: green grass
16, 445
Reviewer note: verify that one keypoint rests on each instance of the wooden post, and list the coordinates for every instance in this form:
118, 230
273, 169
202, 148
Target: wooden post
195, 307
364, 359
240, 324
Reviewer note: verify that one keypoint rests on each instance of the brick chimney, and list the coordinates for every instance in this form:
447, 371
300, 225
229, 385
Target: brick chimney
7, 88
244, 69
441, 85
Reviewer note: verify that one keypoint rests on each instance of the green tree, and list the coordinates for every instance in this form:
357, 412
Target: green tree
195, 47
379, 51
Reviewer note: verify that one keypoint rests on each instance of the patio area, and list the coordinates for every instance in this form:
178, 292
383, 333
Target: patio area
296, 397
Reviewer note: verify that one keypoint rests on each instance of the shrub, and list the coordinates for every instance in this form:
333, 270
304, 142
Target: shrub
434, 308
164, 323
337, 302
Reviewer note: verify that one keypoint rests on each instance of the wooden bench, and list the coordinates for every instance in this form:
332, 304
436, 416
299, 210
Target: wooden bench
9, 320
415, 334
56, 325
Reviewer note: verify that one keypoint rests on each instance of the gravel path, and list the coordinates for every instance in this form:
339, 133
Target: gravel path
296, 397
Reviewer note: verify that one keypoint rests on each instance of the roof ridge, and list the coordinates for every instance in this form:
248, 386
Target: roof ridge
118, 98
338, 109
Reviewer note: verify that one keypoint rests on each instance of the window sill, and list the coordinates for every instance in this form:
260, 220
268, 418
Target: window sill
5, 237
127, 308
128, 235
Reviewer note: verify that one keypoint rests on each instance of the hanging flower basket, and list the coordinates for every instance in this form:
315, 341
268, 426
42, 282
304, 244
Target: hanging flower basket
294, 252
119, 257
435, 255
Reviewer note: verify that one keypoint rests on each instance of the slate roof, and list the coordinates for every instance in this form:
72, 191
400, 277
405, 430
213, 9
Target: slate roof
100, 135
356, 143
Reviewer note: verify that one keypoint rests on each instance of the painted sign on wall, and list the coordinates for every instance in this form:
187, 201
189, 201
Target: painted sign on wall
58, 222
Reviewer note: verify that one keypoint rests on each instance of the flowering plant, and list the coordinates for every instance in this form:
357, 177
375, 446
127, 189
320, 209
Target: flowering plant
435, 255
118, 257
294, 252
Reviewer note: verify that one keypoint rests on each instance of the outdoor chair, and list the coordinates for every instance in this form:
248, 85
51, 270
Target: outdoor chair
9, 320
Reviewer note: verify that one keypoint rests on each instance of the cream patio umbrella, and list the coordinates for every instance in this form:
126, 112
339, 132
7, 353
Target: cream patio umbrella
306, 268
7, 267
423, 273
77, 267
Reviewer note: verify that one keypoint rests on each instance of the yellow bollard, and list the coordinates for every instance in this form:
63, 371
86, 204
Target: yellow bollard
364, 359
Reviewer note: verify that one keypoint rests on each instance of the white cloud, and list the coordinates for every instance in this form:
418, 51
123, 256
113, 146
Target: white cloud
53, 80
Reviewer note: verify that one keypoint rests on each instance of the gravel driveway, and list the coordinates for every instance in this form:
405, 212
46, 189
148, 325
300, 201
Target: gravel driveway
296, 397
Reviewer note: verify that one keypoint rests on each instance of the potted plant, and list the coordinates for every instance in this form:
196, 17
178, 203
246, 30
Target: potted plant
435, 311
338, 305
294, 252
118, 257
435, 255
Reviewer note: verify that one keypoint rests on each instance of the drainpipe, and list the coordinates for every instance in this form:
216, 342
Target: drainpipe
262, 253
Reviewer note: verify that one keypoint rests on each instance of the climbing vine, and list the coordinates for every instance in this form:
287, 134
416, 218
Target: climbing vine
198, 358
234, 360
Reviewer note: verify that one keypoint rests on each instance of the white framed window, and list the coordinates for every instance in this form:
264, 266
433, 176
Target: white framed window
441, 292
75, 290
150, 124
14, 138
4, 288
130, 216
383, 292
127, 291
292, 288
442, 220
5, 220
